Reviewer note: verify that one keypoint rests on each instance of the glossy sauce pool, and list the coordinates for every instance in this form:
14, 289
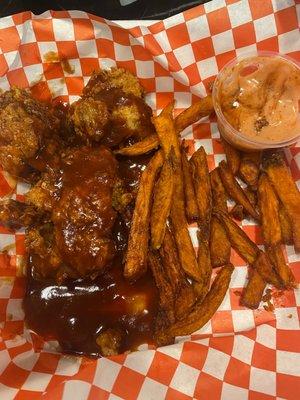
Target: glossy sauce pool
77, 311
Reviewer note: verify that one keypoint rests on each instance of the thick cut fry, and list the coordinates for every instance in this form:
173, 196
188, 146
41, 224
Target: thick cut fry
219, 195
146, 145
203, 311
286, 226
137, 251
168, 137
237, 212
286, 190
204, 263
277, 259
219, 244
162, 198
233, 157
249, 168
235, 191
191, 207
238, 238
269, 209
253, 292
252, 197
203, 191
166, 298
189, 116
183, 291
264, 268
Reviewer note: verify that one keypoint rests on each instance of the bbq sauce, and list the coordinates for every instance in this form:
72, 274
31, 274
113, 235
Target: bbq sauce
75, 312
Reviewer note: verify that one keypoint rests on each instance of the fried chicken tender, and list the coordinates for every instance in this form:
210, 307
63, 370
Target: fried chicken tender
24, 122
113, 78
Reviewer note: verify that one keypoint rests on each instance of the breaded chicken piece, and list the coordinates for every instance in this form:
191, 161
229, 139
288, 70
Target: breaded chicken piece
42, 194
24, 122
90, 119
114, 78
14, 214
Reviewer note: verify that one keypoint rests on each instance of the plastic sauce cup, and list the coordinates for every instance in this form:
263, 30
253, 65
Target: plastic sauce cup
257, 83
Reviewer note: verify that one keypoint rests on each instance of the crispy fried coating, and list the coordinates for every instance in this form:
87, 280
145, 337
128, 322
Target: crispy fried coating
286, 190
269, 210
162, 197
110, 342
253, 291
137, 251
277, 259
90, 119
249, 168
14, 214
191, 206
233, 157
118, 78
238, 238
24, 122
202, 311
169, 140
235, 191
42, 194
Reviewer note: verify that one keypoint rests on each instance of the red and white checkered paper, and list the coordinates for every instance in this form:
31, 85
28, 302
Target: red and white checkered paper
239, 354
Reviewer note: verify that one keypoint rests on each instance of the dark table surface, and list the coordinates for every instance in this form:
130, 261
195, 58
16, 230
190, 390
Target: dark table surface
110, 9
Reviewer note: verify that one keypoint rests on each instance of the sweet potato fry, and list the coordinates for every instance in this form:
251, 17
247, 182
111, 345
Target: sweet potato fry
277, 259
189, 116
233, 157
237, 212
146, 145
203, 190
203, 311
166, 298
137, 251
265, 269
219, 244
269, 209
286, 190
191, 207
219, 196
238, 238
249, 168
162, 198
168, 137
235, 191
252, 197
183, 291
253, 292
286, 226
204, 263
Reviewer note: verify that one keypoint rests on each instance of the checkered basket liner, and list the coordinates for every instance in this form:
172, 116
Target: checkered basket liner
239, 354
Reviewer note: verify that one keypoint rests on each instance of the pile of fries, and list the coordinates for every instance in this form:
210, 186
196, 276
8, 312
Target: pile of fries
175, 191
